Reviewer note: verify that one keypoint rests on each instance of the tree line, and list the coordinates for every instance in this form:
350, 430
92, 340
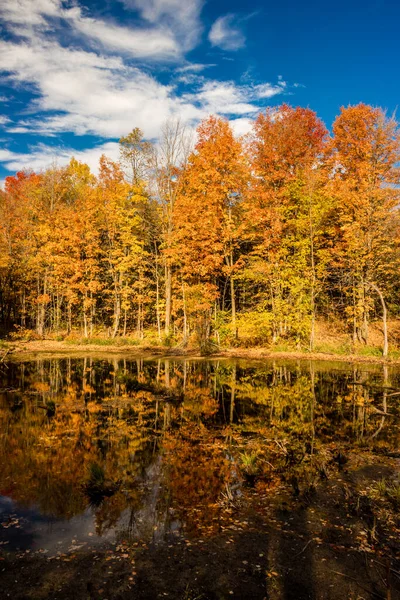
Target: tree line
221, 240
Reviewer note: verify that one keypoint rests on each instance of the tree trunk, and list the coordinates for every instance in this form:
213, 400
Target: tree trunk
125, 320
69, 317
92, 314
354, 318
233, 306
23, 312
185, 327
157, 296
364, 326
139, 326
85, 327
384, 319
117, 314
168, 296
313, 280
41, 314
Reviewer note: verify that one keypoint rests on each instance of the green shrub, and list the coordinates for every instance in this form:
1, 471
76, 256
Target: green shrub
369, 351
333, 348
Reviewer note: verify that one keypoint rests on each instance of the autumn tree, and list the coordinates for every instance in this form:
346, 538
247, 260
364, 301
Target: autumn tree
205, 235
366, 147
135, 156
85, 282
285, 212
169, 161
252, 238
17, 205
124, 251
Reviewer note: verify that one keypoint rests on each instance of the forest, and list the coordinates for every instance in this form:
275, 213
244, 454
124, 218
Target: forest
211, 239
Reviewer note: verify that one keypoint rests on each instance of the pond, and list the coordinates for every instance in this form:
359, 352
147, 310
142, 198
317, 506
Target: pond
125, 478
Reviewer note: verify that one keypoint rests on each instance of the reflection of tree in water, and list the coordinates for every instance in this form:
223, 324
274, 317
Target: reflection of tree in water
218, 428
197, 473
49, 459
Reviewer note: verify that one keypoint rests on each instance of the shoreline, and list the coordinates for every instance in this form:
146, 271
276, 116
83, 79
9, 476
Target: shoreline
21, 350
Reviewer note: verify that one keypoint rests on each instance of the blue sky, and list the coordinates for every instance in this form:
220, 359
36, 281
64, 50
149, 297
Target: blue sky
78, 74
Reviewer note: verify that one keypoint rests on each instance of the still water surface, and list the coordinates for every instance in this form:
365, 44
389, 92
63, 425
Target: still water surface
95, 450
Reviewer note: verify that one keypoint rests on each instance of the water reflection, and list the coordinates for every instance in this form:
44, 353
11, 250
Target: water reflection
141, 450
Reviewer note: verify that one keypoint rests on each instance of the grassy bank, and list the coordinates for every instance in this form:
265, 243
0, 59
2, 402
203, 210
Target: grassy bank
330, 344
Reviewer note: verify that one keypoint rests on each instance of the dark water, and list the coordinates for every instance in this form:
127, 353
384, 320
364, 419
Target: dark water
96, 450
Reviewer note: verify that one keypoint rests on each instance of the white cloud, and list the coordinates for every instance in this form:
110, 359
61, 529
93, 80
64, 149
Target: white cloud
19, 129
6, 154
155, 43
181, 17
241, 126
31, 18
84, 92
29, 13
90, 93
227, 98
81, 89
226, 34
4, 120
41, 157
194, 68
224, 97
268, 90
